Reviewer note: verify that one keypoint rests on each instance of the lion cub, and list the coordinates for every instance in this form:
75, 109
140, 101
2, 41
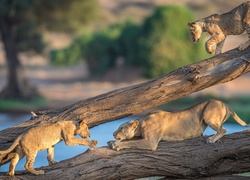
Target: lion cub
174, 126
44, 137
218, 26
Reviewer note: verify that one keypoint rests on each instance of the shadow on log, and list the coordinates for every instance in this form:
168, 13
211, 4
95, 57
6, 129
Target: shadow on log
184, 159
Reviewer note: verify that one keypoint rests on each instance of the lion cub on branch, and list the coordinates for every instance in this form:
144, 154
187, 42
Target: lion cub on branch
44, 137
174, 126
218, 26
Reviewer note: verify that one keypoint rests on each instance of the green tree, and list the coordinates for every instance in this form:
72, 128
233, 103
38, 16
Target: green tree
164, 43
103, 49
21, 22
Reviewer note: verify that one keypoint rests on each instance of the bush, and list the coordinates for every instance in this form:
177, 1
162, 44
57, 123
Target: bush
161, 44
164, 43
70, 55
128, 44
103, 49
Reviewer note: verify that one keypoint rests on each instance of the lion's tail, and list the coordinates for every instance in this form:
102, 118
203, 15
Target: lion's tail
11, 148
236, 117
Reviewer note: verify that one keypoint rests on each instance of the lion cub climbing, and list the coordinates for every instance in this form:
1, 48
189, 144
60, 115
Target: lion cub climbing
44, 137
218, 26
174, 126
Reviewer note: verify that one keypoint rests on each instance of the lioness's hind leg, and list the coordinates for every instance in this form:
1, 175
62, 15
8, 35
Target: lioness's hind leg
220, 133
15, 159
29, 164
219, 47
245, 45
214, 41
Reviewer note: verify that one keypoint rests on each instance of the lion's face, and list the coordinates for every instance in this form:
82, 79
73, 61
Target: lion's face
196, 31
126, 130
83, 130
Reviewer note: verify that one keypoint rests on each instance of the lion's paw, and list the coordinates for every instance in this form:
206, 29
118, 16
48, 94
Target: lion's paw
242, 46
210, 140
210, 51
114, 145
93, 143
10, 173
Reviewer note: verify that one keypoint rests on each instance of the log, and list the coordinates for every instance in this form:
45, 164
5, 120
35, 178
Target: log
191, 158
139, 98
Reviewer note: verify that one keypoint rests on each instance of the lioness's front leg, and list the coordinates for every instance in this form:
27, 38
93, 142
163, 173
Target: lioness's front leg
70, 140
213, 41
134, 144
76, 141
50, 155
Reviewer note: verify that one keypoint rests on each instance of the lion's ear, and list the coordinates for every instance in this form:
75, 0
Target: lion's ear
83, 122
191, 25
135, 124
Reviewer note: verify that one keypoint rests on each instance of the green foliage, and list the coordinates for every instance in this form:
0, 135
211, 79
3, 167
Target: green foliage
26, 19
27, 37
103, 49
128, 43
165, 44
161, 44
67, 15
70, 55
7, 105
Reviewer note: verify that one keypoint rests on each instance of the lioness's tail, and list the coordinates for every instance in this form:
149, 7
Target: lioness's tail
236, 117
11, 148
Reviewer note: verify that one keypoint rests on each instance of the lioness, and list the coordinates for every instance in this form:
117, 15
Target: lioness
218, 26
44, 137
174, 126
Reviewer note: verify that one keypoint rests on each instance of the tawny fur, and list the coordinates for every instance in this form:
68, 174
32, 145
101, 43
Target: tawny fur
41, 138
234, 22
146, 132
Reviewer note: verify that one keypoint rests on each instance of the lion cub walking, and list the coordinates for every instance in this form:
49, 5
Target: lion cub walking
218, 26
174, 126
44, 137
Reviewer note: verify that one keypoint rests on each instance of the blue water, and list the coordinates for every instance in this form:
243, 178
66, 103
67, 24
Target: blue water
102, 133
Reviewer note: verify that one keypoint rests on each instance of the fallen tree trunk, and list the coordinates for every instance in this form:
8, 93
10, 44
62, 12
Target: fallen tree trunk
136, 99
191, 158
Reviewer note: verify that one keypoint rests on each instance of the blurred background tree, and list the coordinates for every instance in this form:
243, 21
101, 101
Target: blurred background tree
21, 27
158, 45
164, 43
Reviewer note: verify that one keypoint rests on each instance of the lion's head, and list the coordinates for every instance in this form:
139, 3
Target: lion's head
82, 129
196, 30
126, 130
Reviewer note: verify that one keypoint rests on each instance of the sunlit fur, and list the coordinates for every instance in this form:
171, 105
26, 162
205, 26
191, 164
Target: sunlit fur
234, 22
146, 132
195, 30
44, 137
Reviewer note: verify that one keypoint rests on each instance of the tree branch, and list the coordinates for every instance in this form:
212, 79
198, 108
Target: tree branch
172, 159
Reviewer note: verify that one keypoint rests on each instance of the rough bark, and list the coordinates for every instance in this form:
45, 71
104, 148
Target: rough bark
191, 158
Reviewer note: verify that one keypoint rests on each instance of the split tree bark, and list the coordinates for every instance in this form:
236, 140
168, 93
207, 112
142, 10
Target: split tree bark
189, 158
